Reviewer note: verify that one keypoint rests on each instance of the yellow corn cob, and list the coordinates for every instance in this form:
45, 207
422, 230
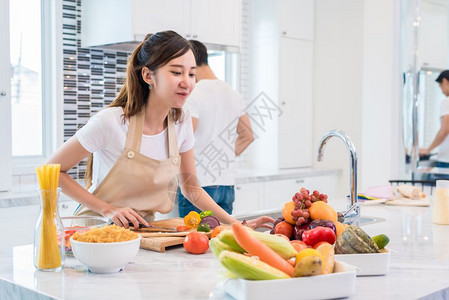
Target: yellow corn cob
250, 268
278, 244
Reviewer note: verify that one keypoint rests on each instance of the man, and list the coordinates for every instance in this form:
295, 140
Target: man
222, 132
441, 140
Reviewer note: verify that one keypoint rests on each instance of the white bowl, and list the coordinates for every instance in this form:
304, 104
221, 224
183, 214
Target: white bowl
339, 284
105, 257
368, 264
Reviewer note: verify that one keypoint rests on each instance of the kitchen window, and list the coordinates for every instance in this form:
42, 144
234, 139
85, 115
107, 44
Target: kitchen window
224, 65
31, 89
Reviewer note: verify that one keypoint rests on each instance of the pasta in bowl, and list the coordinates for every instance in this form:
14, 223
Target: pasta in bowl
107, 249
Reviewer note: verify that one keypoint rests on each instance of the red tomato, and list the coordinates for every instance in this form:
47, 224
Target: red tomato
196, 242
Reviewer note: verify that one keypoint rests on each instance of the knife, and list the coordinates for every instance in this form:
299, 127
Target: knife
152, 227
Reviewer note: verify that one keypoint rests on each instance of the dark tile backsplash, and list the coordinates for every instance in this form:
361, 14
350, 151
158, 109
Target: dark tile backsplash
92, 77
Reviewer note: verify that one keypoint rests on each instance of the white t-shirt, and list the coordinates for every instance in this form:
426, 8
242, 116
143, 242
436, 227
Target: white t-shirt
443, 149
218, 108
105, 136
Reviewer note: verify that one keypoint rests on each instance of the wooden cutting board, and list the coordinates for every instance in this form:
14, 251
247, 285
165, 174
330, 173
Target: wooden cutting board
160, 243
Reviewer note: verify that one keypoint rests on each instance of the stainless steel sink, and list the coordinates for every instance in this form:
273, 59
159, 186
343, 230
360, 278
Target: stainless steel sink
364, 220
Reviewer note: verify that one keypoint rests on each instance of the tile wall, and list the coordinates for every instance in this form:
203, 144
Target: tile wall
92, 77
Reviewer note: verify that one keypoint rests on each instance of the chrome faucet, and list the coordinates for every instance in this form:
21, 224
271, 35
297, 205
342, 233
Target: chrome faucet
352, 213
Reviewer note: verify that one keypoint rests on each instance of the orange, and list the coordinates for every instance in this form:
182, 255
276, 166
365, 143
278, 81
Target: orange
322, 210
340, 228
287, 212
298, 245
284, 228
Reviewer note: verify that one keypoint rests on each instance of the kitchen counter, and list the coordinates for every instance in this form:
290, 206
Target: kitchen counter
419, 268
25, 194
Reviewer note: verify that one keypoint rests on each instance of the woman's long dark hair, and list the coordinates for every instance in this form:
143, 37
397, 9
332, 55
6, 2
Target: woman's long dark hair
154, 52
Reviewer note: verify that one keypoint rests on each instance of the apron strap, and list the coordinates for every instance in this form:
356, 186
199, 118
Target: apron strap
173, 150
135, 131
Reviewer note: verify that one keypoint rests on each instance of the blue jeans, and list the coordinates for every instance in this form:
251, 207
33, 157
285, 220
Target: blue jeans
438, 164
223, 195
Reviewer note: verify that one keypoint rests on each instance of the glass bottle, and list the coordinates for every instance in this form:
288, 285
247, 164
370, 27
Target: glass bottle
441, 203
49, 247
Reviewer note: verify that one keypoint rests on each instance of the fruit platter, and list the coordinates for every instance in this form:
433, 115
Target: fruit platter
308, 246
308, 211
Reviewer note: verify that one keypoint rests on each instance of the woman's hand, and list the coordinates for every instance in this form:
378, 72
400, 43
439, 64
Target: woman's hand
261, 222
122, 216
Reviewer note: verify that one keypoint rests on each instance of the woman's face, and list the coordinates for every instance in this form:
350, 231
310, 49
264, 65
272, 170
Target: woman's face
173, 82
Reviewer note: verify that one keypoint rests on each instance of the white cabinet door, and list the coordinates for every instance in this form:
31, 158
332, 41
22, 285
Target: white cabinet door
5, 100
326, 184
295, 99
296, 18
434, 47
19, 223
67, 208
279, 192
216, 21
248, 198
150, 16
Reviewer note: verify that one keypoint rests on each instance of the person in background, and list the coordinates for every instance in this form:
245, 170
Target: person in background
441, 139
142, 142
222, 132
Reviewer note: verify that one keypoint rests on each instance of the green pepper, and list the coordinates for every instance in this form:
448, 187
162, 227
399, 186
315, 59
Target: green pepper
206, 213
203, 227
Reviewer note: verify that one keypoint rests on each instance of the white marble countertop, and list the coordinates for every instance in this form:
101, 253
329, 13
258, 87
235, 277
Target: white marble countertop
419, 268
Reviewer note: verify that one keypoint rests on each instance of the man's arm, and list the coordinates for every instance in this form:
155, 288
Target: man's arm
244, 135
441, 135
194, 123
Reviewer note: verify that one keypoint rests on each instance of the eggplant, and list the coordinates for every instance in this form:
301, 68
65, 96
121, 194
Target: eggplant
211, 221
323, 223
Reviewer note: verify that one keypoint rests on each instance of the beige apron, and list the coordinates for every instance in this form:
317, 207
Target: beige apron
140, 182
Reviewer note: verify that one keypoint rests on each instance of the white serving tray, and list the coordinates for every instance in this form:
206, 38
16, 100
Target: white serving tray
368, 264
339, 284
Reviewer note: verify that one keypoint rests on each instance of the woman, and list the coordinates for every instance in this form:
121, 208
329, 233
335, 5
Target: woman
142, 142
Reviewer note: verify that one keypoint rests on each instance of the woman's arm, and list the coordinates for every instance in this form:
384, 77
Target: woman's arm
70, 154
198, 197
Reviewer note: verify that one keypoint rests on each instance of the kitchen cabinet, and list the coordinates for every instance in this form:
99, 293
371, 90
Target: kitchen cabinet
284, 138
273, 194
111, 22
67, 208
433, 37
247, 198
21, 219
278, 192
295, 97
296, 18
216, 21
